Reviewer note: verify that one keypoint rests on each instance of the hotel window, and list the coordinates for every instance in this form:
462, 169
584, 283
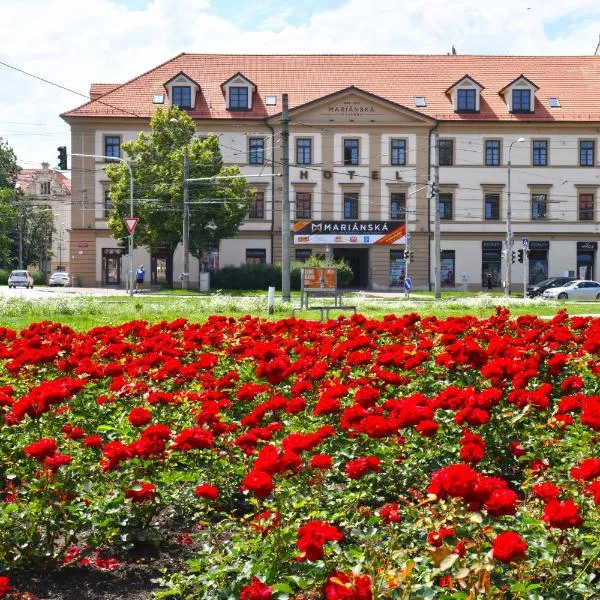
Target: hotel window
108, 204
303, 254
539, 207
446, 157
586, 207
238, 97
303, 151
492, 207
492, 153
351, 152
256, 154
587, 152
398, 207
257, 206
445, 207
112, 147
182, 96
540, 153
44, 188
521, 101
351, 205
256, 256
303, 205
398, 152
466, 100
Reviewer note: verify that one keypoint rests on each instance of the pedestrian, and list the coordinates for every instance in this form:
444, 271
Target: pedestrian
139, 278
489, 281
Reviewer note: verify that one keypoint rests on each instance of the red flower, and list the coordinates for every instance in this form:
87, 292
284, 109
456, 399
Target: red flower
93, 441
516, 449
587, 469
508, 545
562, 515
313, 536
436, 538
259, 483
194, 438
546, 491
210, 492
142, 492
321, 461
42, 449
257, 590
139, 417
502, 502
4, 586
53, 463
389, 513
340, 586
427, 428
594, 490
355, 469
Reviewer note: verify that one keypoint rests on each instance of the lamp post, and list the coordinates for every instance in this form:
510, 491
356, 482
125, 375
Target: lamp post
509, 225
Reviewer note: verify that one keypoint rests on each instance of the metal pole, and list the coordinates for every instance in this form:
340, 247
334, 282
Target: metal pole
285, 204
21, 236
437, 233
60, 247
185, 276
525, 271
508, 233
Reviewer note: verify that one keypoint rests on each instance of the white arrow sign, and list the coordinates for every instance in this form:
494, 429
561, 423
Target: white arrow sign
131, 223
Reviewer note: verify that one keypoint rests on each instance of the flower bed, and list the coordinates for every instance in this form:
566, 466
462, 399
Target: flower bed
354, 459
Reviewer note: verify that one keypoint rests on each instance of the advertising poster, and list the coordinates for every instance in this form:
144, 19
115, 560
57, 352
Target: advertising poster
316, 278
397, 271
447, 271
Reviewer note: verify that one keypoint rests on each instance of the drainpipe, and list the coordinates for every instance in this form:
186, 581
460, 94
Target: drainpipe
272, 183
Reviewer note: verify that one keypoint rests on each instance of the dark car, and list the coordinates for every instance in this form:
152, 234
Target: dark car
539, 288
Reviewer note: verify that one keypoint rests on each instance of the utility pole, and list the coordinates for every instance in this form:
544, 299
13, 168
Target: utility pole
285, 204
21, 236
185, 276
436, 232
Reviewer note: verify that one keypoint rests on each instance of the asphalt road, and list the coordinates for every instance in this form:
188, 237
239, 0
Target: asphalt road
49, 292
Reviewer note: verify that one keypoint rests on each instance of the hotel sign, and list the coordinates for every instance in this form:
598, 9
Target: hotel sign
351, 109
349, 232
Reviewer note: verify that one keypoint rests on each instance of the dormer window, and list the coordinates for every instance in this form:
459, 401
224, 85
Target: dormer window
519, 95
238, 92
465, 95
238, 97
182, 91
182, 96
466, 100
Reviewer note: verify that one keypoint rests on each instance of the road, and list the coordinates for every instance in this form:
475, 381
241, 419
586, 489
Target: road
51, 292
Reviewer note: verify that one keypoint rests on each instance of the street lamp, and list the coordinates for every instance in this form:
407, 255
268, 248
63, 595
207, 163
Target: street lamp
509, 226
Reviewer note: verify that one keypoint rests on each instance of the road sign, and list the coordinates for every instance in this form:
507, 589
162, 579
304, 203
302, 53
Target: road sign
525, 242
131, 223
407, 284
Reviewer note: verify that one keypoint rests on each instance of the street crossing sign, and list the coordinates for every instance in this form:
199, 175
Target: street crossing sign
131, 223
407, 284
525, 242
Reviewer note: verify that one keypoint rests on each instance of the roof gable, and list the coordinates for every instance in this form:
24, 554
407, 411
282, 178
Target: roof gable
518, 79
465, 79
239, 79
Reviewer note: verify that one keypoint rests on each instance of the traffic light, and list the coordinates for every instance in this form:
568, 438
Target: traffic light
407, 254
412, 255
513, 257
123, 245
520, 255
62, 158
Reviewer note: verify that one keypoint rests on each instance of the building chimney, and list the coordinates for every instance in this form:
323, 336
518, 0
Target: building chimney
45, 166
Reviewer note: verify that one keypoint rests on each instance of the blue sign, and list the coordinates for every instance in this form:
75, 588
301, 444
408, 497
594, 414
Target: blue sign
408, 284
525, 242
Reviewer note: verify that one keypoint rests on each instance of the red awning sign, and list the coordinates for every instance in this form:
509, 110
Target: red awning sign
130, 223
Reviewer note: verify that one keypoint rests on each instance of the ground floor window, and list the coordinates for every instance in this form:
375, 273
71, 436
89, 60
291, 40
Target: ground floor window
256, 256
158, 268
585, 264
303, 254
111, 266
491, 264
538, 266
397, 268
448, 268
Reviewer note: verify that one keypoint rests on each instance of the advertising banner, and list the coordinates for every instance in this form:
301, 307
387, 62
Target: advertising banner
350, 232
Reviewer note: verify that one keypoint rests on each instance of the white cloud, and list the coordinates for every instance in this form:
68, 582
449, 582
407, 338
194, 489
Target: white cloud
76, 43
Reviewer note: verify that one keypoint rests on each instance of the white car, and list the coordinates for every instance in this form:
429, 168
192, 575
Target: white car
20, 278
579, 289
59, 278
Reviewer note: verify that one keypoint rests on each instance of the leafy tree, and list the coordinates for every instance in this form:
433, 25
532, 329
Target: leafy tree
9, 169
217, 207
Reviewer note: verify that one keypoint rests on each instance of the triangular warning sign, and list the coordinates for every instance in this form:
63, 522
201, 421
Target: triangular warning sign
130, 223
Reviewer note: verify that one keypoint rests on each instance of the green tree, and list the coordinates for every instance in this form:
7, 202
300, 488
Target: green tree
9, 169
217, 207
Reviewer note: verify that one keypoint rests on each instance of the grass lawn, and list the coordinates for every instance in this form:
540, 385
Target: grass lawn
84, 312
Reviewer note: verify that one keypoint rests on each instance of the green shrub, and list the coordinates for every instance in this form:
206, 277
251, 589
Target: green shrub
39, 278
247, 277
4, 276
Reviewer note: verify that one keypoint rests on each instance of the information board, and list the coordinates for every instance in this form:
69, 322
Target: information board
319, 278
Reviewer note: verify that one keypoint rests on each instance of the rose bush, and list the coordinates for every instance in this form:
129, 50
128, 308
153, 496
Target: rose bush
404, 457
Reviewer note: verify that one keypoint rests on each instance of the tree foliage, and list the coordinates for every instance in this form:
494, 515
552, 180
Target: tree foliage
217, 207
9, 169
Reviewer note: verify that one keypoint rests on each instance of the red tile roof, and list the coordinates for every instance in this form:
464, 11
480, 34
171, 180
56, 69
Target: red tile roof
99, 89
575, 80
28, 176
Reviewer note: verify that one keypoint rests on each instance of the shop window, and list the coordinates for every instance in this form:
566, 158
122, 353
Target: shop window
448, 268
256, 256
491, 264
111, 266
303, 254
397, 268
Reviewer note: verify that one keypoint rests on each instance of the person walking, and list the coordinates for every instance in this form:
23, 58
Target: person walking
489, 281
139, 278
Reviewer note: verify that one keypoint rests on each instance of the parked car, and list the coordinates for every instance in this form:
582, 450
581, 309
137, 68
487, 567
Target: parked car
579, 289
539, 288
20, 278
60, 278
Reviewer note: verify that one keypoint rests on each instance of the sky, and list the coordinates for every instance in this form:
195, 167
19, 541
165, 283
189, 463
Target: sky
77, 42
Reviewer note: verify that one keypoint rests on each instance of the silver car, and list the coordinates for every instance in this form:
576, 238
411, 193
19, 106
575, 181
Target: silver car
579, 289
60, 278
20, 278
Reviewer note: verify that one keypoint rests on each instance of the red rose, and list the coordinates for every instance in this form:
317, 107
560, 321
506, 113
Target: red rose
313, 536
142, 492
259, 483
562, 515
43, 448
139, 417
355, 469
257, 590
93, 441
389, 513
427, 428
508, 545
321, 461
587, 469
516, 449
4, 586
210, 492
502, 502
546, 491
436, 538
340, 586
594, 490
